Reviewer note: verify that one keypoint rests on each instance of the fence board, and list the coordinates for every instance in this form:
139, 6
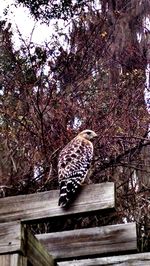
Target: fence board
15, 238
91, 241
10, 237
45, 204
142, 259
13, 260
36, 253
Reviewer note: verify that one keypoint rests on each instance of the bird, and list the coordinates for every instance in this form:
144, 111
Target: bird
73, 165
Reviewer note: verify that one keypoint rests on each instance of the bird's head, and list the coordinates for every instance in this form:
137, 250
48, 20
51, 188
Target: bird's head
87, 134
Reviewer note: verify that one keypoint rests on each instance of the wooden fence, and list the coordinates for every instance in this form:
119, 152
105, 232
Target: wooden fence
82, 247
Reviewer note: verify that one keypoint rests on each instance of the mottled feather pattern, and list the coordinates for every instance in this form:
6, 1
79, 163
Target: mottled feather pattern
73, 164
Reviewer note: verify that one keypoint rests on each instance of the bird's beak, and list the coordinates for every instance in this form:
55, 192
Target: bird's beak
95, 135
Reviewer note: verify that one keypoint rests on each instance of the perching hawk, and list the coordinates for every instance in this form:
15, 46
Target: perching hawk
73, 165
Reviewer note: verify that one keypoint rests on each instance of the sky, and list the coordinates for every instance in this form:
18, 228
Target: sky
20, 17
21, 20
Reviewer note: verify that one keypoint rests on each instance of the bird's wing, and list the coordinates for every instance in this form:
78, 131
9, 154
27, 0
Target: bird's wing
73, 165
75, 158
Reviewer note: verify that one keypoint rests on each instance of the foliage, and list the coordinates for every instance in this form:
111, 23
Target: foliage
50, 93
46, 10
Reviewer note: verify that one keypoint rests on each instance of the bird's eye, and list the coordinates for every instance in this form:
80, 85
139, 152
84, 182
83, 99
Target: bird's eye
89, 133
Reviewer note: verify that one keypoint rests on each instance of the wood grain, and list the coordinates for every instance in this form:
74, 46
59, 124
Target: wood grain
45, 204
36, 253
142, 259
15, 238
10, 237
13, 260
91, 241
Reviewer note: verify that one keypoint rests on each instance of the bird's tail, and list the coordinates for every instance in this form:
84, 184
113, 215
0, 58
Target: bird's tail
68, 190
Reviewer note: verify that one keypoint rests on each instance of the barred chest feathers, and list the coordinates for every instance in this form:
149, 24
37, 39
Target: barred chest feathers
73, 165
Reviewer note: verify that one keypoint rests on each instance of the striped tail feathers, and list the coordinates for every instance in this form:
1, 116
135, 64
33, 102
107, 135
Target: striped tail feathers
68, 190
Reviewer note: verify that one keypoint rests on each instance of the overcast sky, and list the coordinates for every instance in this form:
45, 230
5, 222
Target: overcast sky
21, 17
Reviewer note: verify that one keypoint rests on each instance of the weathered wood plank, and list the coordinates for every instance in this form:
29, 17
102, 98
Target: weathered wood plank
15, 238
91, 241
36, 253
141, 259
45, 204
10, 237
13, 260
